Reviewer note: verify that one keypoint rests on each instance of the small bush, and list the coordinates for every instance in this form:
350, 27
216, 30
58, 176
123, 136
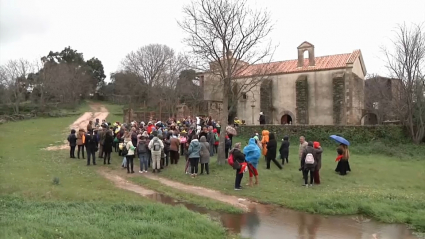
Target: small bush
55, 181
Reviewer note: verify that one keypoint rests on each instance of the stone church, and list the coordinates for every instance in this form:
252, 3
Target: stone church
324, 90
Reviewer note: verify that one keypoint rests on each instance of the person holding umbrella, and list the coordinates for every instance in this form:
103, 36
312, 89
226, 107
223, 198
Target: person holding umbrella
343, 155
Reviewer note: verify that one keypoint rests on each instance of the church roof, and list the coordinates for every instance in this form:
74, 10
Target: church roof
331, 62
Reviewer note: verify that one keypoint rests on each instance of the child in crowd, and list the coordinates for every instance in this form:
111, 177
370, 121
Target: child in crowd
72, 139
284, 150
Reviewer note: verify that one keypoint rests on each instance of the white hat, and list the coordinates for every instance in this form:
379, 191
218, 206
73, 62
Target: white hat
261, 113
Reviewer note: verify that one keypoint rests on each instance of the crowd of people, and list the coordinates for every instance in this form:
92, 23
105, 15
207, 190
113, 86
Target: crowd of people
157, 144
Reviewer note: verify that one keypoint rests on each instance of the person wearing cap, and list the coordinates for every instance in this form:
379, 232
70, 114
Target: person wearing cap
262, 118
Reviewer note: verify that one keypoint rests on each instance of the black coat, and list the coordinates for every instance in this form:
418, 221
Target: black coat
284, 149
262, 119
271, 149
238, 157
134, 138
107, 144
203, 134
72, 139
91, 141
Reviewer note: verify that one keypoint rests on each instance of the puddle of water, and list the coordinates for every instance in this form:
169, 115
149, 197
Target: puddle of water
270, 222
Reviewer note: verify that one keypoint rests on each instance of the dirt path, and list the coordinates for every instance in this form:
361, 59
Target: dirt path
203, 192
98, 112
124, 184
119, 178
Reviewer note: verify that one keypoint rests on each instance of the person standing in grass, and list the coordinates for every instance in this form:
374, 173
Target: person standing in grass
303, 145
227, 145
125, 137
167, 143
343, 155
80, 142
284, 150
130, 155
264, 141
211, 140
252, 156
271, 152
102, 134
319, 151
90, 126
91, 146
156, 146
238, 159
107, 146
174, 148
142, 150
216, 140
205, 155
72, 140
194, 152
308, 163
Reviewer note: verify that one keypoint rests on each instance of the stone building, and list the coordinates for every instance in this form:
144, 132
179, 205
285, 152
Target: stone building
324, 90
383, 100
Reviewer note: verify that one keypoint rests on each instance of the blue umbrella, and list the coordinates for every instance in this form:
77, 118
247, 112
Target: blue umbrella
340, 140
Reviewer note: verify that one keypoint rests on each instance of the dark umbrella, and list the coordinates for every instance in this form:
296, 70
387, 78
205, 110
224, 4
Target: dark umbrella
340, 140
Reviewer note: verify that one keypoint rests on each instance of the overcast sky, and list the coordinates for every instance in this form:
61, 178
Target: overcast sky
109, 29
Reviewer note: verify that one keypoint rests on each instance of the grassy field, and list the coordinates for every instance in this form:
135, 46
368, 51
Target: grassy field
390, 189
83, 204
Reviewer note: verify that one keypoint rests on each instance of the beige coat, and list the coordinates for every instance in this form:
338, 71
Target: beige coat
301, 149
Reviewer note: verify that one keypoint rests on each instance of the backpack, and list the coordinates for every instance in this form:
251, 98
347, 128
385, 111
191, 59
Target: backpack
217, 139
309, 159
230, 160
90, 139
124, 151
141, 148
156, 146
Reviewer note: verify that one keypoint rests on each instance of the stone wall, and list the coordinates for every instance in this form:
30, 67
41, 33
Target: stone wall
338, 99
266, 99
301, 89
321, 133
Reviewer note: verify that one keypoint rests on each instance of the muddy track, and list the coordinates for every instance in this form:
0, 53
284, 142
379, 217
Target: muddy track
124, 184
99, 112
203, 192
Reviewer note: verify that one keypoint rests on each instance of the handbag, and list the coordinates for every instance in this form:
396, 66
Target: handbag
183, 140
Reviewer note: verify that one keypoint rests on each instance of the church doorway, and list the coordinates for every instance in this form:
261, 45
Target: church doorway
369, 119
286, 119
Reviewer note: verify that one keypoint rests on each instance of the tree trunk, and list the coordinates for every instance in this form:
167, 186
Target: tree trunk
221, 157
42, 100
17, 102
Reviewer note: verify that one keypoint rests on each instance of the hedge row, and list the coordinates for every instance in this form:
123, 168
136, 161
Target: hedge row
389, 134
18, 117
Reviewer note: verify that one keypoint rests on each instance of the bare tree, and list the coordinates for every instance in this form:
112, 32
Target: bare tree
157, 66
149, 63
227, 37
14, 76
406, 62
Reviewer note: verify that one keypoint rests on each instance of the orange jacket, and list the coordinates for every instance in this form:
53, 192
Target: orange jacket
265, 140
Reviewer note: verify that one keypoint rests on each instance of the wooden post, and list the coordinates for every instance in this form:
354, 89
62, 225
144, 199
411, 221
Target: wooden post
129, 110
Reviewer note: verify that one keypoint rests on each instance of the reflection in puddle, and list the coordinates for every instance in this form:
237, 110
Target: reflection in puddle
264, 221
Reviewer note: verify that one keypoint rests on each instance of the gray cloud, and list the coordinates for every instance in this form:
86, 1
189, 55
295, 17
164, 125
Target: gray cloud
17, 22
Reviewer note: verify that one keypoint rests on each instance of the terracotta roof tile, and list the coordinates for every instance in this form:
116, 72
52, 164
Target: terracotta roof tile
290, 66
